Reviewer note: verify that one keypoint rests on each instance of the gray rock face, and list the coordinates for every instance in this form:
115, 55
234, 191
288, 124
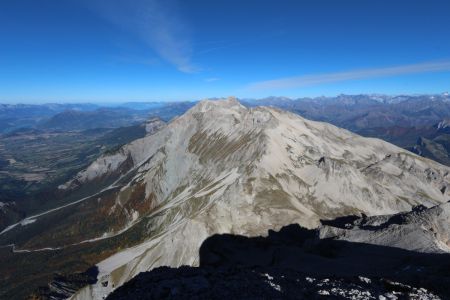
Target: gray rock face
422, 230
153, 125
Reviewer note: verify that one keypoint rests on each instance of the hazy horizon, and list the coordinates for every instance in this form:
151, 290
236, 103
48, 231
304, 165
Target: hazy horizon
114, 103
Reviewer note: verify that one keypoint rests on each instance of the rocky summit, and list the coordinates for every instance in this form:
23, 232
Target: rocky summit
219, 168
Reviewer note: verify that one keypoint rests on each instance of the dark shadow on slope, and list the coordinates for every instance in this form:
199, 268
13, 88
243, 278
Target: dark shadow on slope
238, 266
300, 249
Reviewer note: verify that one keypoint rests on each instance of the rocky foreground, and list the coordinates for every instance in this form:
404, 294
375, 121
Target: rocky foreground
297, 263
260, 283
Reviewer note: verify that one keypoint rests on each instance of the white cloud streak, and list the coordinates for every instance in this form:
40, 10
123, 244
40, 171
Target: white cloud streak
157, 23
317, 79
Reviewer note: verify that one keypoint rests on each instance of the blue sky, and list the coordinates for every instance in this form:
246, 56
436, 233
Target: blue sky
146, 50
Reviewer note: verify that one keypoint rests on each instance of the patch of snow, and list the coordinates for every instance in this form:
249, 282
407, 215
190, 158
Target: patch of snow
310, 280
364, 279
323, 292
273, 285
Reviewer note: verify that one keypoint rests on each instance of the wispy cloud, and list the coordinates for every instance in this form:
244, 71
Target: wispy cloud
157, 23
212, 79
317, 79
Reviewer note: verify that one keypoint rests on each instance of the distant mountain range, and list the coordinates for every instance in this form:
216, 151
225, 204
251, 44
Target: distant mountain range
359, 112
353, 112
99, 118
76, 117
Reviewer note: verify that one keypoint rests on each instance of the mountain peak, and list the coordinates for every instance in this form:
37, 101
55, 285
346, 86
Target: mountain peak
224, 103
232, 99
